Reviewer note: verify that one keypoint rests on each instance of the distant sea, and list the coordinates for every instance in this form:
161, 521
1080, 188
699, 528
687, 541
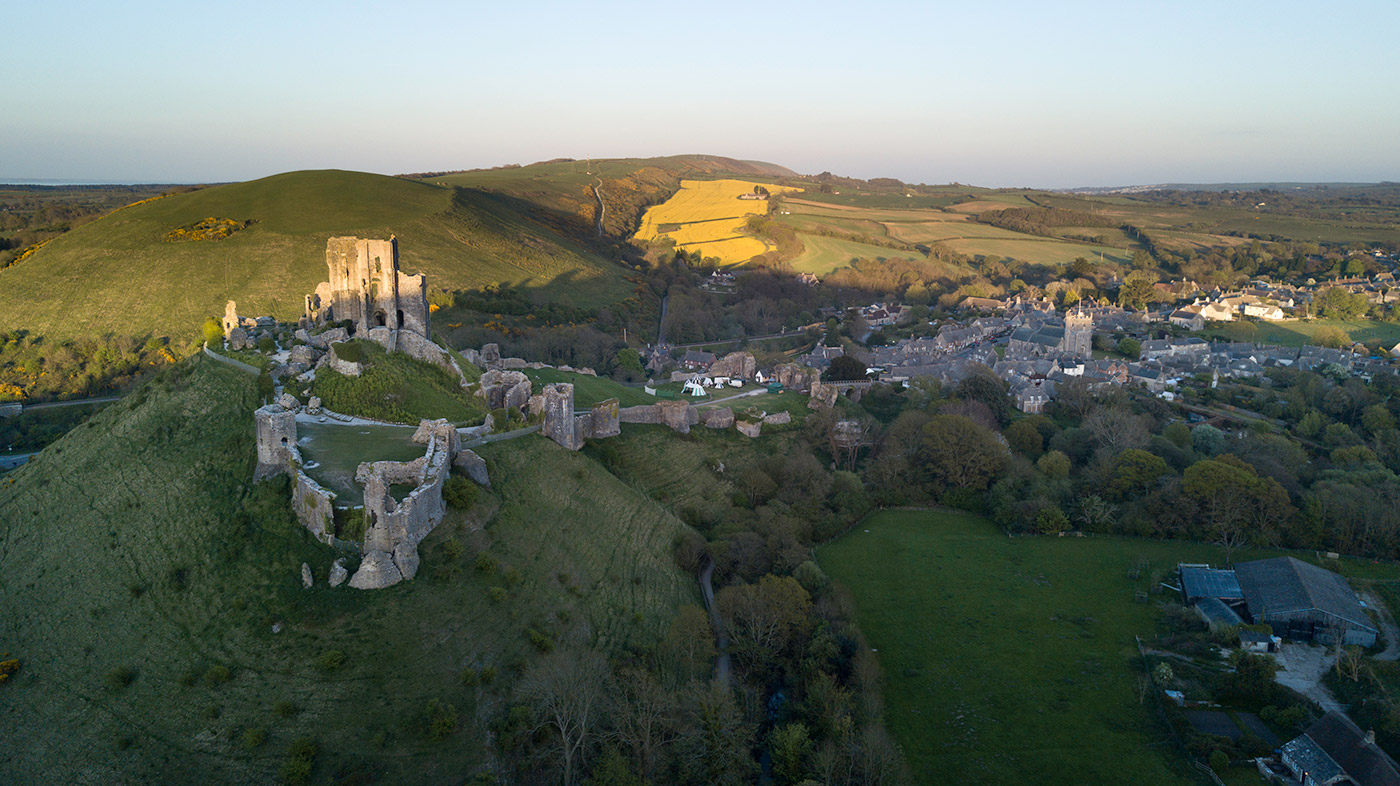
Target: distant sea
23, 181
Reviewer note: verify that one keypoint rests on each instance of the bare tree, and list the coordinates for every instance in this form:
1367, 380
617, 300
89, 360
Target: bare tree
569, 693
1116, 429
644, 719
1229, 534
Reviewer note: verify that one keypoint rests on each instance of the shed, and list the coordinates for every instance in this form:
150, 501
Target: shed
1304, 601
1216, 610
1203, 581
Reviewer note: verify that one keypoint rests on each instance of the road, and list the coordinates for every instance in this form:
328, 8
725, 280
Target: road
74, 403
12, 460
661, 323
722, 665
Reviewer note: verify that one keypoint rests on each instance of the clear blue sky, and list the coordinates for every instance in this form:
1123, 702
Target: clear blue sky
1000, 94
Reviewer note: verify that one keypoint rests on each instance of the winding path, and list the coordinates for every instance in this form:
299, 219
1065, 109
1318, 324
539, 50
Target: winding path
602, 209
722, 666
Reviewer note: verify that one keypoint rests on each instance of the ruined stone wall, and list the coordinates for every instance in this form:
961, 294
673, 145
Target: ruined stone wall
679, 416
642, 413
505, 389
604, 419
314, 506
559, 415
393, 529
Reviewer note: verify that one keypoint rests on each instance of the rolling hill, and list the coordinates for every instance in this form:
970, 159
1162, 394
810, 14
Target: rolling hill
121, 275
154, 600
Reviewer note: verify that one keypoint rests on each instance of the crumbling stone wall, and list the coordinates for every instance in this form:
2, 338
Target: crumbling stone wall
603, 419
795, 377
559, 415
679, 416
364, 285
393, 529
749, 428
719, 417
314, 506
823, 395
504, 389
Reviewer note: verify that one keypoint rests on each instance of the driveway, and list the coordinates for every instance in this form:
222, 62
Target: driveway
1302, 669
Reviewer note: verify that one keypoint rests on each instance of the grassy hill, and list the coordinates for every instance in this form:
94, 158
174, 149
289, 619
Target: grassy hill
562, 191
155, 602
119, 274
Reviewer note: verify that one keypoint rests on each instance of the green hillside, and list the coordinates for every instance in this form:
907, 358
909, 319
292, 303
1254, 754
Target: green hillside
154, 601
562, 191
120, 274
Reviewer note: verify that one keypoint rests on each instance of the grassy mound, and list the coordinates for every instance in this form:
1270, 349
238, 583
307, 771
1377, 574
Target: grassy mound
589, 390
119, 274
154, 600
394, 387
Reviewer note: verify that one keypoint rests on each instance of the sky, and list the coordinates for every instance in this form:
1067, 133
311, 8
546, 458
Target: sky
1050, 95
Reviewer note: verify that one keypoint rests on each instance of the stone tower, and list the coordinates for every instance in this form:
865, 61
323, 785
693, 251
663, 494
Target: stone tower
1079, 333
277, 441
559, 415
366, 287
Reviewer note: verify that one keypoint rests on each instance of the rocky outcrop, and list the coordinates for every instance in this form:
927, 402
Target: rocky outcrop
238, 339
490, 356
474, 466
288, 402
739, 365
823, 395
338, 573
306, 579
504, 389
749, 428
719, 417
377, 571
795, 377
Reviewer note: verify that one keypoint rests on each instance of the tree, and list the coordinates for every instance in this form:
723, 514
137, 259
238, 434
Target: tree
789, 744
961, 453
213, 332
765, 619
1331, 336
1207, 440
1054, 465
1179, 433
689, 644
629, 359
1116, 429
982, 384
713, 746
1025, 438
1129, 347
1337, 303
845, 369
568, 693
1134, 471
1136, 289
643, 719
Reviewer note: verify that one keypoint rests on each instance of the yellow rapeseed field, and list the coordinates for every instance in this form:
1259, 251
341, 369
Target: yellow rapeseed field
709, 215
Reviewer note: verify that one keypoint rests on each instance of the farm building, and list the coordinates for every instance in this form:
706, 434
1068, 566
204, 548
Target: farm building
1303, 601
1335, 751
1299, 600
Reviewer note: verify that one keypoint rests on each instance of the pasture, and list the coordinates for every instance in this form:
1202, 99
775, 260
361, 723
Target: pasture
1010, 661
821, 255
1297, 332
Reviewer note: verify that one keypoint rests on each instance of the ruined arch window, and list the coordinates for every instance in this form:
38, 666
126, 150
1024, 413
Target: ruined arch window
284, 441
381, 319
400, 315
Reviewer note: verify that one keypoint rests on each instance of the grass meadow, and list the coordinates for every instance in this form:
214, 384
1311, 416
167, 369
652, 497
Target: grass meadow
1297, 332
589, 390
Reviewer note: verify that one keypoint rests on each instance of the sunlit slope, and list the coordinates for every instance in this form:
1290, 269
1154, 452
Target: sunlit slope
561, 192
155, 603
119, 274
708, 216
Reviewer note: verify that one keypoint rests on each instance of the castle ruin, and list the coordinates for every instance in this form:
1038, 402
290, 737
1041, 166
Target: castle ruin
366, 287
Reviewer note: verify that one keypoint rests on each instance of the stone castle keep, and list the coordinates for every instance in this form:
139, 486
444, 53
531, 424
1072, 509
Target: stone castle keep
366, 287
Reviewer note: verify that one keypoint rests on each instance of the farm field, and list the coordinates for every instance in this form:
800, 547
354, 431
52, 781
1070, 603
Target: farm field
1043, 251
1297, 332
708, 215
1013, 661
157, 609
821, 255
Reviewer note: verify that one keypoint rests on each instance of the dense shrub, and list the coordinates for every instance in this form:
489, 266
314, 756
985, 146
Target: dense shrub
460, 492
119, 678
301, 756
330, 660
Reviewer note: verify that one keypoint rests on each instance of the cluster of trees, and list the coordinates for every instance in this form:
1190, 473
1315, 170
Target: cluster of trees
35, 369
1316, 467
1042, 220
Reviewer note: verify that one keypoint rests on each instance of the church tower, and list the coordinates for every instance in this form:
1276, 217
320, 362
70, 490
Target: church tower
1079, 333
